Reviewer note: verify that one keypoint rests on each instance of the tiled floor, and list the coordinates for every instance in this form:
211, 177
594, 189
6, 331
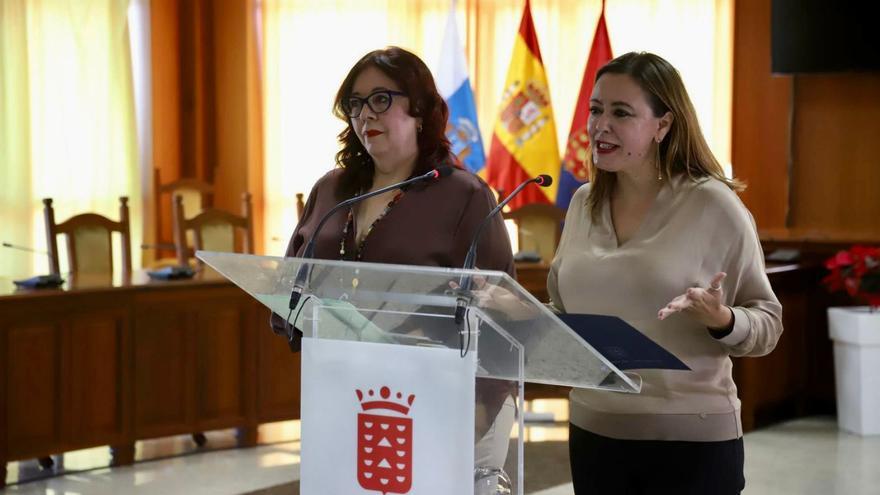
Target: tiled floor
806, 456
811, 457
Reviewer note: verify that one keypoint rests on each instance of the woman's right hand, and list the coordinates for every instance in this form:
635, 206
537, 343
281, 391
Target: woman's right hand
494, 297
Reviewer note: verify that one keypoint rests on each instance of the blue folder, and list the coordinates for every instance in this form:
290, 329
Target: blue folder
620, 343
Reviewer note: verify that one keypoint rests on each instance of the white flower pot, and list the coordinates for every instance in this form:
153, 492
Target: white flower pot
856, 335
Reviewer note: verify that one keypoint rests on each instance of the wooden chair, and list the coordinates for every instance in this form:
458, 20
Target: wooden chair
539, 226
300, 206
213, 230
197, 195
89, 245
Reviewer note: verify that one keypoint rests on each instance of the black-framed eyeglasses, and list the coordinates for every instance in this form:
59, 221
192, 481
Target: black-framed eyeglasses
378, 101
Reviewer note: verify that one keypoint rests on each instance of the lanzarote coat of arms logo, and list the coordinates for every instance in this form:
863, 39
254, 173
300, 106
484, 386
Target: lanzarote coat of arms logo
385, 451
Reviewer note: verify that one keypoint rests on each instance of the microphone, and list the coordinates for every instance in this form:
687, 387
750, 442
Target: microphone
302, 274
37, 282
23, 248
470, 260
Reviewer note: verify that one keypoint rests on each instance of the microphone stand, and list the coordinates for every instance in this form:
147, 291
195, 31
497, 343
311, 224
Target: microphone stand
304, 271
470, 260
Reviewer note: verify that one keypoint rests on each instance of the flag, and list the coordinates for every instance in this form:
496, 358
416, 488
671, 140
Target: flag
462, 129
524, 139
574, 172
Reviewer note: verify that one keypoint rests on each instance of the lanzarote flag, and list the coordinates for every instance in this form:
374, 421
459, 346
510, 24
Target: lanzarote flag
574, 171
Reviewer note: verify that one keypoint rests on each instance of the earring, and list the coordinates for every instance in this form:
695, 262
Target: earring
419, 127
657, 160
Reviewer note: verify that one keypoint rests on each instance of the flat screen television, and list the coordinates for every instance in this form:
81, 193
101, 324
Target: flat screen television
813, 36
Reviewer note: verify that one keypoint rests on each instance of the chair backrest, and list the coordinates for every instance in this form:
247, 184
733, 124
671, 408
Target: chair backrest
300, 206
89, 245
197, 195
213, 230
539, 226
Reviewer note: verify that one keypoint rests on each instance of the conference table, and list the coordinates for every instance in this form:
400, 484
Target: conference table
103, 361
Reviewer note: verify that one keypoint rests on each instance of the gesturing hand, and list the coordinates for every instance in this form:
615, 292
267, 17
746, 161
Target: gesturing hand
703, 305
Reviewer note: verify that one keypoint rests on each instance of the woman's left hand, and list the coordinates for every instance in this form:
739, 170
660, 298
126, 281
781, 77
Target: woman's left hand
703, 305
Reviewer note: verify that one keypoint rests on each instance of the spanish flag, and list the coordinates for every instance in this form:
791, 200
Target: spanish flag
524, 139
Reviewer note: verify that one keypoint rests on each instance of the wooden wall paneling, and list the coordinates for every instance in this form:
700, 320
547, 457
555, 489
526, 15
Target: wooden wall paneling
805, 144
230, 79
836, 174
197, 112
165, 65
238, 116
761, 117
207, 101
254, 127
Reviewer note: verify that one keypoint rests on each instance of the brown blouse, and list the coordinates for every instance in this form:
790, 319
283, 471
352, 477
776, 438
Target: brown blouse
432, 224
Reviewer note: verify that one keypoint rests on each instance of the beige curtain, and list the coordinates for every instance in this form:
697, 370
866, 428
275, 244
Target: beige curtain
310, 45
15, 204
67, 123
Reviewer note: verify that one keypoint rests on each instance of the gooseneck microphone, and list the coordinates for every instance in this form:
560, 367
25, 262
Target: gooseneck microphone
23, 248
470, 259
40, 281
302, 274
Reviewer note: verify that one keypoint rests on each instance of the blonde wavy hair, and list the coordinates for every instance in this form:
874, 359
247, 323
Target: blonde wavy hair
684, 150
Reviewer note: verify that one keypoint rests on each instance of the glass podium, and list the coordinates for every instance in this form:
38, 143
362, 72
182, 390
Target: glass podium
509, 337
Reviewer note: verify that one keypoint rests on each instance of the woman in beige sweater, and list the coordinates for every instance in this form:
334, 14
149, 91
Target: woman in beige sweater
660, 239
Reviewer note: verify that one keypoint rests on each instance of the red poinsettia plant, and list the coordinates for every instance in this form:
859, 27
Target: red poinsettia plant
857, 271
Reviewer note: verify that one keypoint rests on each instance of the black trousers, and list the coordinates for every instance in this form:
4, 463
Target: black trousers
606, 466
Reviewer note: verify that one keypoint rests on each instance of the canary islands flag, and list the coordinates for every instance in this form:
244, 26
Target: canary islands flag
462, 129
524, 139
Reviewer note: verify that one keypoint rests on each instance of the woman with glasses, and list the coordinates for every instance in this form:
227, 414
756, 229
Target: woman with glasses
395, 129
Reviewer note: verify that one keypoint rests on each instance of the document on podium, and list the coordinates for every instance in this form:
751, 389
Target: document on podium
620, 343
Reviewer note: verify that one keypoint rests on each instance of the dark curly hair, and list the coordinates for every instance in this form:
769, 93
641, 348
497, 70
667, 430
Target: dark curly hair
412, 75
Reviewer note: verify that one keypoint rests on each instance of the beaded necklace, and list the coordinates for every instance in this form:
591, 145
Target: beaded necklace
359, 252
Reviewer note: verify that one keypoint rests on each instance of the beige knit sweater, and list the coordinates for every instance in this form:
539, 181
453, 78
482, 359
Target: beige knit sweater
693, 230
